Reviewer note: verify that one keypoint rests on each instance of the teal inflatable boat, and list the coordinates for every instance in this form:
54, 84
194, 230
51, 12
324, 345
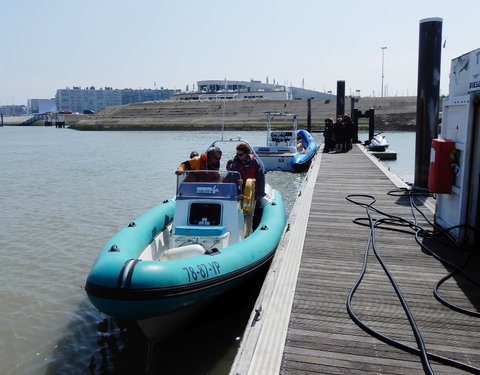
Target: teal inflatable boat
187, 249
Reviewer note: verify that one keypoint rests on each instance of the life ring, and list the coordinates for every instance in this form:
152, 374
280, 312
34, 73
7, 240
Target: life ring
249, 195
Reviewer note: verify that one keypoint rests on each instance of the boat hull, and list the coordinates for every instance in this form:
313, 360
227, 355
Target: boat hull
377, 148
273, 161
123, 286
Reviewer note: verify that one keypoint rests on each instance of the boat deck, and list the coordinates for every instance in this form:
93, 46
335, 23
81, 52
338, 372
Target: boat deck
301, 325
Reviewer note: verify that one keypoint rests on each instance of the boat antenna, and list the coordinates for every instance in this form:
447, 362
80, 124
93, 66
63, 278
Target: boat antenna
224, 101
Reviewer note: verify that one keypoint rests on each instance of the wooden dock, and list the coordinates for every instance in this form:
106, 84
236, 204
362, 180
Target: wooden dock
301, 325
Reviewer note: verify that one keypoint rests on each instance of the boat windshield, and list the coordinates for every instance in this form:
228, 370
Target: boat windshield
209, 184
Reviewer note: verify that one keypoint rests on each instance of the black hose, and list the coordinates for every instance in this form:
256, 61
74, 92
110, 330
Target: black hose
372, 241
418, 231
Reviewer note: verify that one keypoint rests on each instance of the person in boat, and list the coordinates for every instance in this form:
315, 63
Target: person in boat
248, 167
193, 154
328, 135
300, 146
347, 121
233, 177
209, 161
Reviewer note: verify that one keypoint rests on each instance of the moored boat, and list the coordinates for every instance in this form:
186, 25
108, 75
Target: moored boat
291, 150
378, 143
187, 250
306, 150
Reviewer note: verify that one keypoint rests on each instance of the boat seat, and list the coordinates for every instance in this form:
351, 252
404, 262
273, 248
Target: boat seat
182, 252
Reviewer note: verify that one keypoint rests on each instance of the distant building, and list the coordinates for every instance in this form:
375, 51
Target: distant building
79, 100
219, 89
13, 110
220, 95
299, 93
41, 106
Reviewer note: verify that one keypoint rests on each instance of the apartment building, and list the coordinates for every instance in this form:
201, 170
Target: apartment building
79, 99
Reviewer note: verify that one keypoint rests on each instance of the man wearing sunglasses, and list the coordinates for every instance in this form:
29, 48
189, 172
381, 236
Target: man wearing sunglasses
248, 167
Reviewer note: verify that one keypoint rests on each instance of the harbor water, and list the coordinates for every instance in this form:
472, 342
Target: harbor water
63, 194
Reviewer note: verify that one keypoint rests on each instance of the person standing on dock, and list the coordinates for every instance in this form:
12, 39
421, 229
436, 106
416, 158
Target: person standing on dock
339, 134
329, 143
347, 121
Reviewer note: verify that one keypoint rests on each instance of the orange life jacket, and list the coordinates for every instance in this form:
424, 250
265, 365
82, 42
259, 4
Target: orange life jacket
196, 164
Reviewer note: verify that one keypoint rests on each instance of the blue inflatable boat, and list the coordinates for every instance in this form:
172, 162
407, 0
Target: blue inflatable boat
306, 150
188, 249
291, 150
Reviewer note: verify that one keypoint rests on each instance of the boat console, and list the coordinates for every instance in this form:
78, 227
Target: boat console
208, 210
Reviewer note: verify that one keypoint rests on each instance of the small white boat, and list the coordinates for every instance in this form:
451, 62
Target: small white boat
378, 143
291, 150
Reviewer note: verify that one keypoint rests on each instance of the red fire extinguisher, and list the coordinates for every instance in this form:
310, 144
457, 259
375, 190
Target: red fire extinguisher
440, 177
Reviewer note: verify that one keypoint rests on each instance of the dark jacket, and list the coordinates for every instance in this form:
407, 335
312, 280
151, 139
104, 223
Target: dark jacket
250, 168
339, 132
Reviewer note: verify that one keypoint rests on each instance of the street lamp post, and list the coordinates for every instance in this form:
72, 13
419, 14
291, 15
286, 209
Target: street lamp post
383, 55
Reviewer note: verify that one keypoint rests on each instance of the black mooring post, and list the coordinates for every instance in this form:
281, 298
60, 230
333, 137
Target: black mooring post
355, 125
371, 124
1, 119
340, 98
309, 115
355, 122
428, 95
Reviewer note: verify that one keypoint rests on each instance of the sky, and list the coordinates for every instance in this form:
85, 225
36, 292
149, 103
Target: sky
47, 45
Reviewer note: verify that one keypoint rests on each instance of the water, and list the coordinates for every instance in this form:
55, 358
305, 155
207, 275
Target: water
403, 143
63, 194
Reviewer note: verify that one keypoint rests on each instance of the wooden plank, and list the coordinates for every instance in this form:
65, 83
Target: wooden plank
321, 337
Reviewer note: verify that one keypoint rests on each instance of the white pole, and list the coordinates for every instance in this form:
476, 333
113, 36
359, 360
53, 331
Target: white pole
224, 101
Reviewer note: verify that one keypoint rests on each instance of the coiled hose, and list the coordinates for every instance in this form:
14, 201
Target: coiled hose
399, 224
